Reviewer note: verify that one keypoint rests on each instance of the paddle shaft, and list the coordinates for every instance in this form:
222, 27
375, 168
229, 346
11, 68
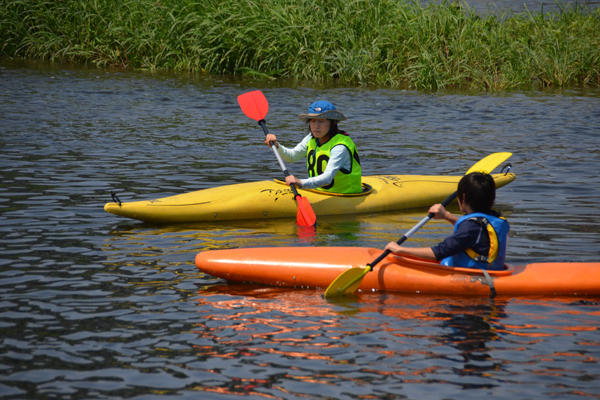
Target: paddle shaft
411, 231
263, 125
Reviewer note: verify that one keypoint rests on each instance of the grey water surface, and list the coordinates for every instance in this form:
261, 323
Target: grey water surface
95, 306
507, 7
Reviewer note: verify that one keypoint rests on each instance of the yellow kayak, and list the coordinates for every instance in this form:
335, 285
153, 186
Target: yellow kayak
273, 199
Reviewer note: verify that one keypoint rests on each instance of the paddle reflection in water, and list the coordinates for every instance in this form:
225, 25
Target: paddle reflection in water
280, 342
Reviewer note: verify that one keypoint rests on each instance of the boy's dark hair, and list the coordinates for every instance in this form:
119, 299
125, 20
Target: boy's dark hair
479, 191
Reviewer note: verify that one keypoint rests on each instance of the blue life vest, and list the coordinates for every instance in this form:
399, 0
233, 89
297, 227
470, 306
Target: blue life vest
497, 229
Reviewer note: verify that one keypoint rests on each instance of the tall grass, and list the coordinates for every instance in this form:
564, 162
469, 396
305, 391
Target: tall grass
387, 42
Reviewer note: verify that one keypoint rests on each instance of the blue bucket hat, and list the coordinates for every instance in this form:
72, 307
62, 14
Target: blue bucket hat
322, 109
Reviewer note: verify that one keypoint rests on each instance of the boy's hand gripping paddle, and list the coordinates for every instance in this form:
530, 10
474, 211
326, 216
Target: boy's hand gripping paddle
351, 279
255, 106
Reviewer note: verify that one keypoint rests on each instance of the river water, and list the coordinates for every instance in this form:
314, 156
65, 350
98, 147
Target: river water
95, 306
508, 7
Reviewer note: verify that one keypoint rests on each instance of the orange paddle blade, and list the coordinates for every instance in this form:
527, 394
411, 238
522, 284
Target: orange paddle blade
254, 104
305, 215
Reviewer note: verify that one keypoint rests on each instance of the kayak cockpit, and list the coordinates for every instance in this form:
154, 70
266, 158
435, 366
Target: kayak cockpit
442, 269
366, 189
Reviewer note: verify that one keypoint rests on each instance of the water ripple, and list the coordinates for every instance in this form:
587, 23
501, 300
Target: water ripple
95, 306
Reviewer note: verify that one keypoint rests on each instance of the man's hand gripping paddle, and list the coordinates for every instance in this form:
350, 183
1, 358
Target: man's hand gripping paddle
255, 106
351, 279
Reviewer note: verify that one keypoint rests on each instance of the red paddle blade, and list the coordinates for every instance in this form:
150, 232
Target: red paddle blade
305, 215
254, 104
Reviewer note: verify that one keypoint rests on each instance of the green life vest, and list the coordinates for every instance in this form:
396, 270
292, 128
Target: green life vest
344, 181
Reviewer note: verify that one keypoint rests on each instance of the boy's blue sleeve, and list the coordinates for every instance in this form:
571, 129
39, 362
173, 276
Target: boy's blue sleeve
468, 234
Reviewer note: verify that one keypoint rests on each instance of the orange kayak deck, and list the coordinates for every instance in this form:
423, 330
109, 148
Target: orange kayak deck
317, 267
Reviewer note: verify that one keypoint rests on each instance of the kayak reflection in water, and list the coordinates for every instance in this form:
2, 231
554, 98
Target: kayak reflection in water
479, 238
331, 156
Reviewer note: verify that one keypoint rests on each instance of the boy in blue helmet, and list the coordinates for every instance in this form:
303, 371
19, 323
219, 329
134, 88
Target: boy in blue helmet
331, 156
480, 236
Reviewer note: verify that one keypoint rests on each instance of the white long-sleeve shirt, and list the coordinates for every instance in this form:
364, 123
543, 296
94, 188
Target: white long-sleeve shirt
340, 158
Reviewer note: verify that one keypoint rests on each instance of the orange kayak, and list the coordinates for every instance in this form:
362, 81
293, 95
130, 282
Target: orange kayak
317, 267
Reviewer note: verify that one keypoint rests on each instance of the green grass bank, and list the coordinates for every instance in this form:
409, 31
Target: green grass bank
382, 42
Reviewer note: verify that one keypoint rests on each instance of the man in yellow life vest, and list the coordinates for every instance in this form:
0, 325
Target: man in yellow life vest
331, 156
480, 236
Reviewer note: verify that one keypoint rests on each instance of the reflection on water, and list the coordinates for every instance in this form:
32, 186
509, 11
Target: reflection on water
96, 306
283, 338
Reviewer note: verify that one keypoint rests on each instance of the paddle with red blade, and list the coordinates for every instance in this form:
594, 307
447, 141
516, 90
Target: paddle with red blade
254, 104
